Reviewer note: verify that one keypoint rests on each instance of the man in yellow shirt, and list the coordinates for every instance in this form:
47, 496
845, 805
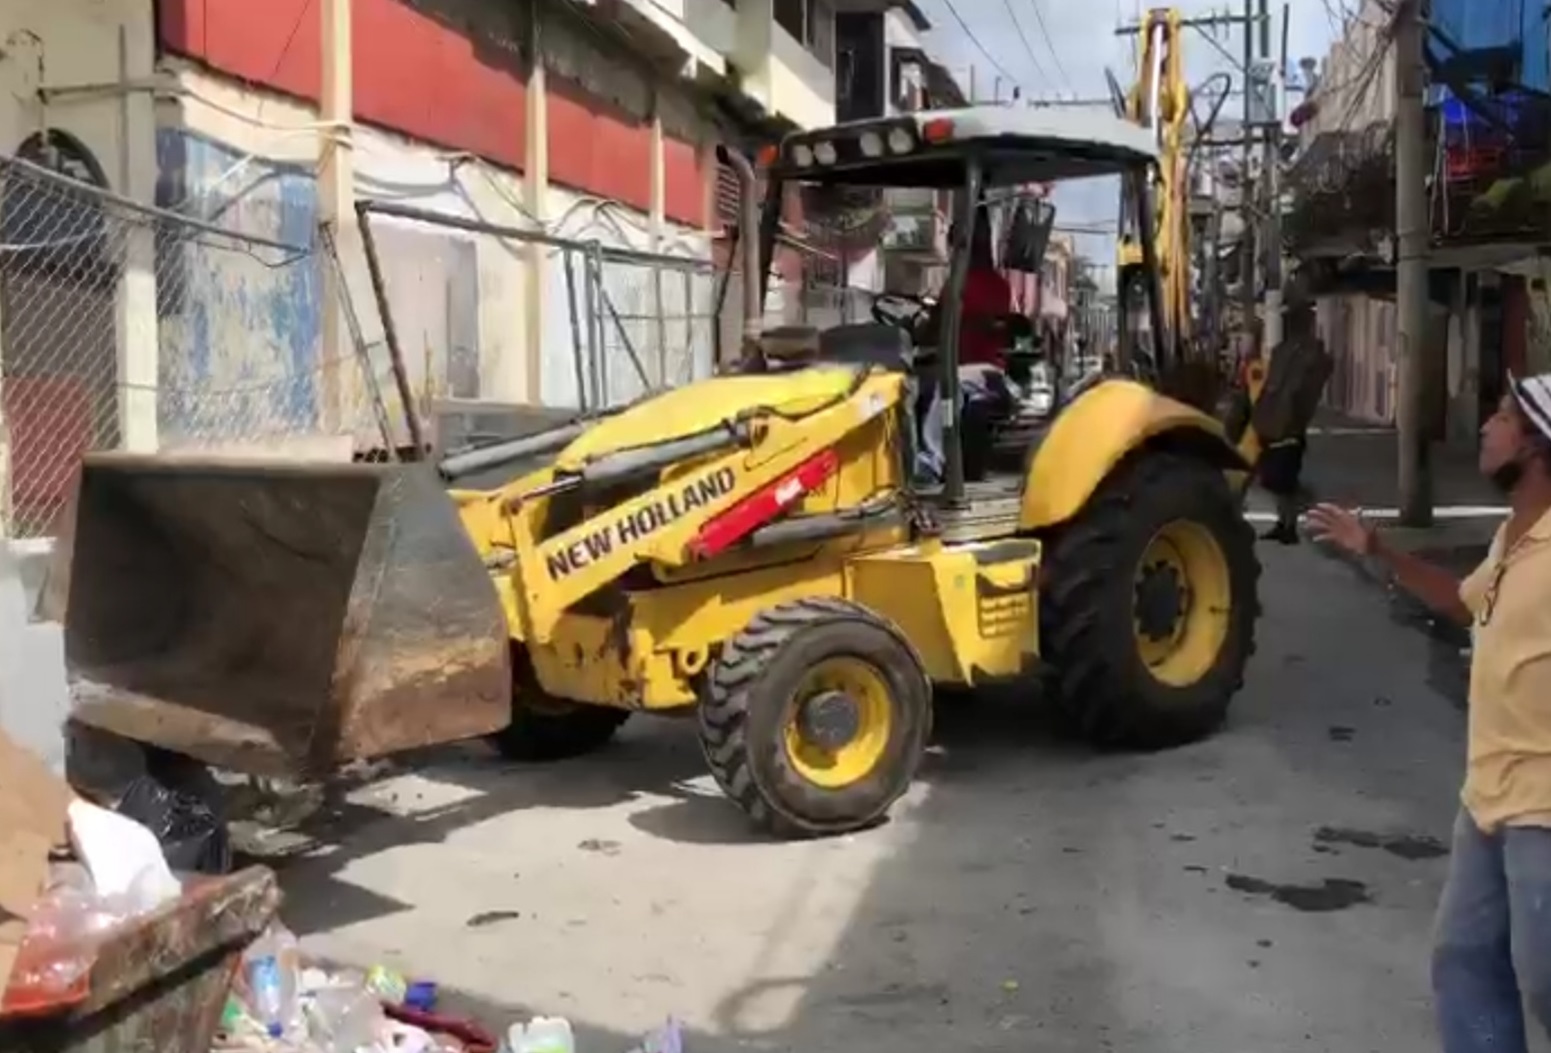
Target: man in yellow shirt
1492, 945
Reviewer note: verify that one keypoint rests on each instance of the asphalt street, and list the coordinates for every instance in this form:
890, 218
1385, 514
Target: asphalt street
1271, 889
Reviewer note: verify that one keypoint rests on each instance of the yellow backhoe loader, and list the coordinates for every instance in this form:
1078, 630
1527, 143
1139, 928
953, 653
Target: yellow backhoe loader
762, 546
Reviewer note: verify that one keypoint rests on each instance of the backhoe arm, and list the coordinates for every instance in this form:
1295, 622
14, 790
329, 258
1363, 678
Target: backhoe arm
757, 470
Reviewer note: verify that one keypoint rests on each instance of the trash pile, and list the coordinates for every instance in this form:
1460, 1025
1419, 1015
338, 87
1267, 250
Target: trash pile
282, 1004
91, 912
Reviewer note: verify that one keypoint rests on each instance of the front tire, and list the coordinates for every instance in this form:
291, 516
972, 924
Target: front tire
816, 717
1150, 604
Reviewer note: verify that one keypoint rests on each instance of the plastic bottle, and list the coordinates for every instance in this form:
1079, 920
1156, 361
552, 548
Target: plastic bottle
342, 1018
270, 967
543, 1034
387, 984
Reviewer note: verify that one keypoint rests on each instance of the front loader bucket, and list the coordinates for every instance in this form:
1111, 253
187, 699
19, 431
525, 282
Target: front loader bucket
276, 619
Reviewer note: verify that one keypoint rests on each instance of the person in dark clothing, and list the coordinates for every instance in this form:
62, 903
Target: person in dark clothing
1295, 382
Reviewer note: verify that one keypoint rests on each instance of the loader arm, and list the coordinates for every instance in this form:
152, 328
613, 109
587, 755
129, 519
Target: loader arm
768, 462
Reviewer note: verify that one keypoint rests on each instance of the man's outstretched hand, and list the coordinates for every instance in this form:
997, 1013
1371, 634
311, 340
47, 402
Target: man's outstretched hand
1342, 528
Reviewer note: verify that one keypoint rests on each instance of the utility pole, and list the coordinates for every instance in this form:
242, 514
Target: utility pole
1411, 246
1270, 181
1247, 140
1247, 270
1211, 277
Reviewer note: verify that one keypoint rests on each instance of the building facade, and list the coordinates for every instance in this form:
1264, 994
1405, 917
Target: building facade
223, 130
1487, 296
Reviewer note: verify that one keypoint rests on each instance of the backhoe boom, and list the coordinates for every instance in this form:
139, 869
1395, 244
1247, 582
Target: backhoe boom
666, 524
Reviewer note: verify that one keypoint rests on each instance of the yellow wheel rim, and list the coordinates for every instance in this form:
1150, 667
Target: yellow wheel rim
1181, 603
839, 722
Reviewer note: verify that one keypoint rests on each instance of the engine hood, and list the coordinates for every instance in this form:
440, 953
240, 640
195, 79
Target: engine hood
707, 403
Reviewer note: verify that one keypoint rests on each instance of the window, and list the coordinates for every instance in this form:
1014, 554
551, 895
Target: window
812, 24
907, 79
859, 90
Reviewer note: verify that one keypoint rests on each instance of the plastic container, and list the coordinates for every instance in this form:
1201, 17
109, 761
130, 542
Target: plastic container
342, 1018
542, 1034
271, 969
421, 995
387, 984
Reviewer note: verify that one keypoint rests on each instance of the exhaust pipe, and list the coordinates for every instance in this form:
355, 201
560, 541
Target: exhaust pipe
748, 234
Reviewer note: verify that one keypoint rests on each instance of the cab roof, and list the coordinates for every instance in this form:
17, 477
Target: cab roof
1020, 145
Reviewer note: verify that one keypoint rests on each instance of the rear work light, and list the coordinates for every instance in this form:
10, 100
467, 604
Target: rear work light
937, 130
765, 505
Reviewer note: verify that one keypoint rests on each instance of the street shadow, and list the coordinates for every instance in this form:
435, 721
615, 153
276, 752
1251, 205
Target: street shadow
358, 819
1029, 894
1448, 645
1042, 896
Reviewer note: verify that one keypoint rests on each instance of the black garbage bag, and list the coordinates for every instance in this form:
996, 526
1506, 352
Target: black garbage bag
193, 837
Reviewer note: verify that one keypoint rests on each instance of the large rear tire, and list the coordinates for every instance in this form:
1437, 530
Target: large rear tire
1149, 604
816, 717
545, 728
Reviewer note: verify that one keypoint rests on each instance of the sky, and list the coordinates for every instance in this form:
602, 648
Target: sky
1081, 33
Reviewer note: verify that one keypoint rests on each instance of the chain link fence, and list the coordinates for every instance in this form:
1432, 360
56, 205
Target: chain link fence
617, 323
194, 328
129, 327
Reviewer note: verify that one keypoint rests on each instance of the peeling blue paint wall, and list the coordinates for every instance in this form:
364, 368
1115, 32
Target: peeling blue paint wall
241, 325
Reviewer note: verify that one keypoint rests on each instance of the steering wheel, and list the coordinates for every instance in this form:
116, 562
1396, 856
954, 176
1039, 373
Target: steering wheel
902, 310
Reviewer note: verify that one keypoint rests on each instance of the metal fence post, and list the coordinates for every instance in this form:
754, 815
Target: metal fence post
578, 351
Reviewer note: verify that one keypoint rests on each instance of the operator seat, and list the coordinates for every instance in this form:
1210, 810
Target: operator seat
867, 344
861, 344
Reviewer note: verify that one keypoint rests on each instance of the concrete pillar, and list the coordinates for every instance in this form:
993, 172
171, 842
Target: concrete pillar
657, 350
137, 324
536, 189
339, 388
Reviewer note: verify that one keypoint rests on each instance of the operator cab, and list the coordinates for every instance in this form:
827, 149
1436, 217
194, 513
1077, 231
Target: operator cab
984, 159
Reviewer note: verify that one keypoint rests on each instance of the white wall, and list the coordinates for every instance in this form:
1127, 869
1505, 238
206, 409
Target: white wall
55, 43
898, 30
1347, 98
707, 30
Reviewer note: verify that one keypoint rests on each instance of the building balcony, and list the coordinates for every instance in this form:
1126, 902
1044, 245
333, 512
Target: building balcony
784, 56
768, 58
1490, 191
692, 37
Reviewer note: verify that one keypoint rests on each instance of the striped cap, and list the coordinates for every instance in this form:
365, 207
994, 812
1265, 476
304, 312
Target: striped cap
1533, 394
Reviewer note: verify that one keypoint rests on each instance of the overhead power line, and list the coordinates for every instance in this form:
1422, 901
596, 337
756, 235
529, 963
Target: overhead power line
970, 33
1039, 16
1038, 66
